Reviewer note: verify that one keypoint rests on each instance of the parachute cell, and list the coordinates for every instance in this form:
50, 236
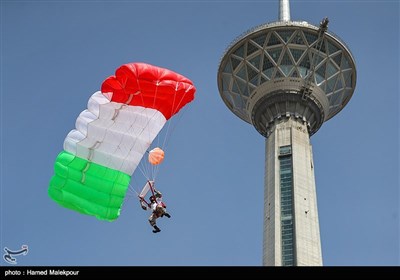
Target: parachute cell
111, 136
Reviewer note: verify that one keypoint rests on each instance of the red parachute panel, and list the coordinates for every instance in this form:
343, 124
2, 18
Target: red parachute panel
141, 84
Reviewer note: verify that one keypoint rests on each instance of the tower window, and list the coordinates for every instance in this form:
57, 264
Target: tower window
286, 194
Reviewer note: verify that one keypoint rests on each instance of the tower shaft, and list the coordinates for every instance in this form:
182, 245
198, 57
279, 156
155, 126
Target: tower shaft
291, 227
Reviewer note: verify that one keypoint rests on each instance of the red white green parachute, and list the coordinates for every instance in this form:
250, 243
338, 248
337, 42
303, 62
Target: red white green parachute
113, 134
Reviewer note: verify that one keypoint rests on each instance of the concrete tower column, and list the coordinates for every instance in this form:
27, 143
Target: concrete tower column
291, 227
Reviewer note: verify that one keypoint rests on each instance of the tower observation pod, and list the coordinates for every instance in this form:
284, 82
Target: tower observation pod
287, 78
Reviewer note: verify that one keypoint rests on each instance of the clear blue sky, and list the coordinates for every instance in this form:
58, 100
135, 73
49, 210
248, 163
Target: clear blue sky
55, 54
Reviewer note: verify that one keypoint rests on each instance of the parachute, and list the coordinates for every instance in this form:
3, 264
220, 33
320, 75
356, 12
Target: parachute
92, 174
156, 156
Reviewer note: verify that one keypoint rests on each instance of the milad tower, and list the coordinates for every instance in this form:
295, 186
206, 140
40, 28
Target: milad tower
287, 78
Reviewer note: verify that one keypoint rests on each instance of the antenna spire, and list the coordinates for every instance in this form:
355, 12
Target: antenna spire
284, 10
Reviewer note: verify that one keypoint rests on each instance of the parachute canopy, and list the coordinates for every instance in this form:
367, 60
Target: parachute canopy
156, 156
111, 136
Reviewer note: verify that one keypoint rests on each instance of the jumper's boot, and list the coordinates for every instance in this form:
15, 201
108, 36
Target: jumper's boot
156, 229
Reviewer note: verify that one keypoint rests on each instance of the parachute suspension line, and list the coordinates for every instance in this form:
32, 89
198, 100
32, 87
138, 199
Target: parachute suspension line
155, 98
174, 109
155, 168
144, 171
163, 138
172, 125
132, 191
145, 167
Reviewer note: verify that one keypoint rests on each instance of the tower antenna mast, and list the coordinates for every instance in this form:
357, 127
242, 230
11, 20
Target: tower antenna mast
284, 10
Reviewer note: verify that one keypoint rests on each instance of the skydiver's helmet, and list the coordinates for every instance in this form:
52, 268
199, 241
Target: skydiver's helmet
152, 198
158, 194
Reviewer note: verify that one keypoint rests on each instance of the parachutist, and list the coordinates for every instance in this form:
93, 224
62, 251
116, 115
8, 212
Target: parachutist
158, 208
156, 204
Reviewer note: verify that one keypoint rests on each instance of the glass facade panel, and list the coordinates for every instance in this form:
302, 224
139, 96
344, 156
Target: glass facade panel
311, 37
286, 202
339, 83
235, 62
255, 61
260, 40
275, 53
269, 72
237, 100
254, 81
242, 73
242, 85
251, 73
320, 46
263, 80
240, 51
305, 62
338, 58
297, 39
332, 48
285, 34
267, 64
296, 54
278, 74
251, 48
330, 70
321, 70
303, 72
319, 79
336, 98
345, 63
295, 74
273, 40
228, 68
317, 59
225, 83
235, 87
286, 60
330, 86
286, 69
228, 97
347, 78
